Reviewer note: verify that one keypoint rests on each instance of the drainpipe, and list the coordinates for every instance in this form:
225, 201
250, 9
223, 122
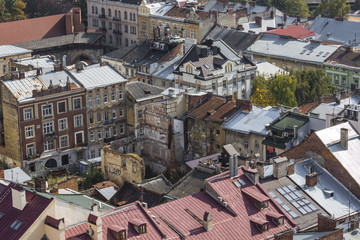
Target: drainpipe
21, 144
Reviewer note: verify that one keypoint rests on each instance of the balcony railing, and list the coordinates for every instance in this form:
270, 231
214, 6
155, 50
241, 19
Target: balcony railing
117, 19
117, 31
103, 29
102, 16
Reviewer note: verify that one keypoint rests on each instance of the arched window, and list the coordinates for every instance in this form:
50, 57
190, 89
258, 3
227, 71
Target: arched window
228, 67
115, 13
125, 15
51, 163
189, 69
96, 10
109, 12
131, 16
92, 9
103, 11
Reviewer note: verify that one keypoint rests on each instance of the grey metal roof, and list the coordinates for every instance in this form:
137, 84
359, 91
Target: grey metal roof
138, 90
108, 192
158, 184
331, 30
267, 69
236, 39
76, 38
272, 45
16, 175
119, 54
11, 50
45, 62
338, 205
254, 121
229, 148
165, 69
97, 76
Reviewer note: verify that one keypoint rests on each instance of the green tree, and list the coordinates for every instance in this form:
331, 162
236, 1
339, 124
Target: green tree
263, 2
296, 8
333, 8
282, 88
279, 4
356, 5
92, 176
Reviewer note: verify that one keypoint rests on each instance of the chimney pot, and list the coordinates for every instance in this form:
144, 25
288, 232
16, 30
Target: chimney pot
344, 132
207, 221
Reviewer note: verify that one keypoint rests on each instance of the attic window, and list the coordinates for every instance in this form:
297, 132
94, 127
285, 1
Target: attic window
262, 228
16, 225
278, 221
118, 232
139, 226
276, 217
260, 223
147, 91
262, 205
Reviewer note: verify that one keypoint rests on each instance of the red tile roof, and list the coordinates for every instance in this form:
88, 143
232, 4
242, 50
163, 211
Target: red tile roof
75, 230
231, 222
214, 109
52, 222
35, 206
295, 31
254, 193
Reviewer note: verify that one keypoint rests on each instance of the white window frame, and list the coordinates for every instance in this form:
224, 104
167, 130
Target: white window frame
74, 99
121, 95
67, 141
60, 123
106, 98
122, 129
113, 96
51, 125
98, 101
121, 112
114, 131
33, 147
90, 102
46, 145
26, 114
99, 134
47, 111
32, 132
82, 136
92, 137
58, 109
76, 118
113, 113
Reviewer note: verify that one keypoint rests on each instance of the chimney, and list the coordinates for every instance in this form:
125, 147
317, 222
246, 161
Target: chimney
94, 226
230, 8
233, 166
252, 4
207, 221
272, 14
55, 226
246, 105
40, 184
344, 138
341, 19
296, 130
18, 198
260, 168
39, 71
285, 17
258, 21
21, 75
298, 19
285, 235
102, 64
54, 191
252, 175
280, 167
14, 75
291, 167
2, 173
311, 179
325, 223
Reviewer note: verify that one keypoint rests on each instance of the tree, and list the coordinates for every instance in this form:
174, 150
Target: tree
279, 4
333, 8
356, 5
282, 88
263, 2
296, 8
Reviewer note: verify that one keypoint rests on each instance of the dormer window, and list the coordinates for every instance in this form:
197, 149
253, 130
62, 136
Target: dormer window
261, 205
139, 226
118, 232
189, 69
276, 217
261, 201
260, 223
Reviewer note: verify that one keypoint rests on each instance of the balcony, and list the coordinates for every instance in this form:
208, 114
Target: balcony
117, 31
102, 16
103, 29
117, 19
48, 136
108, 122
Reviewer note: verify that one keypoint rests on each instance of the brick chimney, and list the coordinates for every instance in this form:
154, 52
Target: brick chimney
298, 19
311, 179
21, 75
258, 21
344, 138
252, 175
207, 221
230, 8
40, 184
280, 167
2, 173
285, 17
325, 223
233, 162
246, 105
285, 235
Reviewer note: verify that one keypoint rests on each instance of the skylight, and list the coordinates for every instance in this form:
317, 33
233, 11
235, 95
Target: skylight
207, 66
1, 215
16, 225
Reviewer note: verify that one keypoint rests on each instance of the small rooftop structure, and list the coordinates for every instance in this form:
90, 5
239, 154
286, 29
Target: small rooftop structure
141, 91
267, 69
16, 175
11, 50
294, 31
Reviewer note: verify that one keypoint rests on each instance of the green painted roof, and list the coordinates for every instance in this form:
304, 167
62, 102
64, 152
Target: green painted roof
82, 200
288, 121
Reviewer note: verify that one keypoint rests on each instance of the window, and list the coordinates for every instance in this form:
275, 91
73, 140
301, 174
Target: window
4, 68
189, 69
139, 114
228, 67
234, 81
122, 129
30, 149
121, 112
92, 9
114, 131
29, 132
90, 101
106, 115
120, 94
262, 205
107, 132
79, 137
262, 228
192, 34
64, 141
62, 124
92, 136
113, 96
99, 135
110, 25
49, 145
16, 225
48, 127
109, 12
46, 110
131, 16
224, 83
106, 98
203, 144
28, 114
61, 107
126, 29
218, 132
97, 100
113, 115
278, 221
96, 10
64, 159
92, 154
144, 25
78, 121
125, 15
126, 42
203, 128
98, 115
246, 144
91, 118
257, 144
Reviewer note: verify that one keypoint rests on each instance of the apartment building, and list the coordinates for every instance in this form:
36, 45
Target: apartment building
116, 19
8, 52
105, 101
44, 120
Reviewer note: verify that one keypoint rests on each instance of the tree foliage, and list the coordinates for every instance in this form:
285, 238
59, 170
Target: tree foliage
92, 176
11, 10
356, 5
333, 8
297, 88
296, 8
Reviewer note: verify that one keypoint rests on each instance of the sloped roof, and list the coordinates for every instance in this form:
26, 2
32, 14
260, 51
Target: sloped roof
11, 50
35, 206
140, 90
158, 184
32, 29
344, 58
294, 31
333, 31
16, 175
232, 221
288, 121
120, 53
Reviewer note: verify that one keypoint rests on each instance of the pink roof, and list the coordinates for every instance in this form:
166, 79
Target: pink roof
254, 193
234, 222
295, 31
75, 230
35, 206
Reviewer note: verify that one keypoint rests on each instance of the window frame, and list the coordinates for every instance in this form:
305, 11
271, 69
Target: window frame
67, 141
74, 105
32, 131
51, 110
60, 124
58, 108
50, 126
76, 120
46, 145
25, 113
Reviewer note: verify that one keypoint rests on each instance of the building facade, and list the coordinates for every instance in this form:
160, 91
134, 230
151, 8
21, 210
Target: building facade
215, 67
105, 101
116, 19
